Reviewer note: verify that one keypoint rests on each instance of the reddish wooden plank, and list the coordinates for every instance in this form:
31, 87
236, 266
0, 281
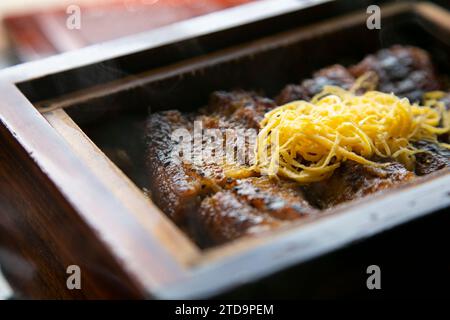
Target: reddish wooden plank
43, 33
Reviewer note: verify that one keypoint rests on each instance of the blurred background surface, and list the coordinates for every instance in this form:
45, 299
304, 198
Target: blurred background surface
35, 29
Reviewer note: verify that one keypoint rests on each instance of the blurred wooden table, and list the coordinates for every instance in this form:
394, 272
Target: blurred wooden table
42, 33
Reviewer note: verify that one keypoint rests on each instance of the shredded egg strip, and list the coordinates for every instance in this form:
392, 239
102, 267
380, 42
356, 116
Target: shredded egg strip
306, 141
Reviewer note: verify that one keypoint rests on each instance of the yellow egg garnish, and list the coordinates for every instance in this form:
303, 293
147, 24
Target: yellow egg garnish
306, 141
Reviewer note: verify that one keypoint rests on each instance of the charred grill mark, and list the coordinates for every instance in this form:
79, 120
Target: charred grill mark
433, 159
176, 186
280, 199
402, 70
335, 75
239, 108
223, 217
353, 180
446, 101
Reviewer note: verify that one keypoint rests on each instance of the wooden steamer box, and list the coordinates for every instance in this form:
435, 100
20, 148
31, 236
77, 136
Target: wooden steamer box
71, 191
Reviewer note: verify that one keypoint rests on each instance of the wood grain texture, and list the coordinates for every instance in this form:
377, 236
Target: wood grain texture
41, 235
136, 250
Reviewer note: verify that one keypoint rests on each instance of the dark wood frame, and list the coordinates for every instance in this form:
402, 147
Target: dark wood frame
67, 203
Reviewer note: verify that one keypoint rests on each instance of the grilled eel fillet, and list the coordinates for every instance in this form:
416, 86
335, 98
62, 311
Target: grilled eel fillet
198, 196
335, 75
402, 70
214, 209
248, 206
433, 159
353, 180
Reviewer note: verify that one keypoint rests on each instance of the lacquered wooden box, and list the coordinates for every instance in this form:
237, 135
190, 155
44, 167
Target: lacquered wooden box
68, 198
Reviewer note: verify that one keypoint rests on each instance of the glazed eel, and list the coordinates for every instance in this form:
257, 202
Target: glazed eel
214, 208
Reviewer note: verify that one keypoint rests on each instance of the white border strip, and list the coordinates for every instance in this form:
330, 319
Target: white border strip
5, 290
